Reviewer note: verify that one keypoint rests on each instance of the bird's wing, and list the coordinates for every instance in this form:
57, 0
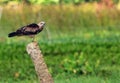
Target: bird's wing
29, 29
20, 30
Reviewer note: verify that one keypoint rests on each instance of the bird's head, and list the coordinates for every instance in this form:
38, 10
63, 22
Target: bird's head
41, 25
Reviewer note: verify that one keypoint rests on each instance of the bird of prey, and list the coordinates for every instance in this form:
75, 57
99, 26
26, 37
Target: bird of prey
28, 30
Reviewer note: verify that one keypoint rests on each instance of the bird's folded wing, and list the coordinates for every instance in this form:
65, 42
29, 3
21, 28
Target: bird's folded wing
29, 29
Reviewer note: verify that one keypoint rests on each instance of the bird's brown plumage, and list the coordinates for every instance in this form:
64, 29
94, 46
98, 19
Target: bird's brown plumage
31, 29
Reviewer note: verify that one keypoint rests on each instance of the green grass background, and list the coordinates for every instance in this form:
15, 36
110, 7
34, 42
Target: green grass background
78, 46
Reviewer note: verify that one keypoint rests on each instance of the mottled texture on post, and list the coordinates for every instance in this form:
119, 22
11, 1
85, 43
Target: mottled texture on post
40, 66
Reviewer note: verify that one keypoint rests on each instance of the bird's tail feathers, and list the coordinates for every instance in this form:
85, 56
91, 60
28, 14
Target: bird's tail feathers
12, 34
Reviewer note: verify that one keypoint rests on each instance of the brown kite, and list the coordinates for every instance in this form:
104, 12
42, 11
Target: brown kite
28, 30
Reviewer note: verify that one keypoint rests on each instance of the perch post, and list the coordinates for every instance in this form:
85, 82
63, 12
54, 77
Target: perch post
41, 68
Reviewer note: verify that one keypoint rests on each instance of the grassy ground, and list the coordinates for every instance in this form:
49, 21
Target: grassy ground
65, 57
81, 79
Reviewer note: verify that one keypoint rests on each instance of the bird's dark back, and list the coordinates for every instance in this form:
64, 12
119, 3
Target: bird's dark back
32, 25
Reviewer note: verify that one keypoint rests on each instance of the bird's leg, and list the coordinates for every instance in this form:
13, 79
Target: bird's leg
33, 38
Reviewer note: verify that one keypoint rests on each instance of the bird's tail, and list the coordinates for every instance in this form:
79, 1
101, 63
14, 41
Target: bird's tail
12, 34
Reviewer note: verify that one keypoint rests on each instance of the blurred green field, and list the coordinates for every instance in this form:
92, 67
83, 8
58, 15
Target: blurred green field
78, 46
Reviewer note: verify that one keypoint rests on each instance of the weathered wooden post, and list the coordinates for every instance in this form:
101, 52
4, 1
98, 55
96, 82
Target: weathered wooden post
40, 66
